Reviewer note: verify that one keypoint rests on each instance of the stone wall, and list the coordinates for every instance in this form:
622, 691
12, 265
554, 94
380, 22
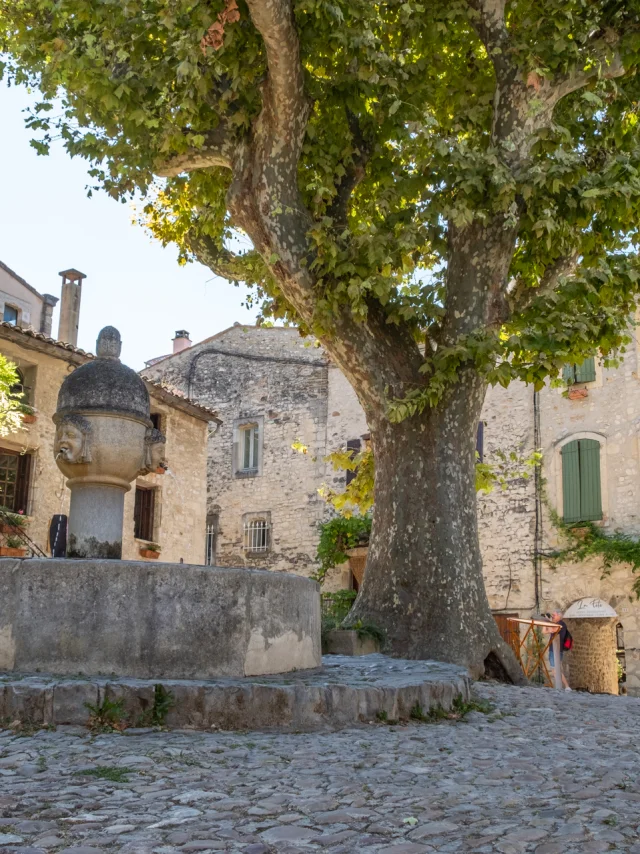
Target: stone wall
287, 385
275, 377
181, 493
181, 497
506, 517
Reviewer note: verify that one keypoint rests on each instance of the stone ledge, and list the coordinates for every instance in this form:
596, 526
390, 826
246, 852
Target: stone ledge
347, 642
343, 692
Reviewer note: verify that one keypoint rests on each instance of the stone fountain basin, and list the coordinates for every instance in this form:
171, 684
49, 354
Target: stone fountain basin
172, 621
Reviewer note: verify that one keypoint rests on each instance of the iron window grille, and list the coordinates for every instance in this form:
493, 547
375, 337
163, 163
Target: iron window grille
210, 544
257, 536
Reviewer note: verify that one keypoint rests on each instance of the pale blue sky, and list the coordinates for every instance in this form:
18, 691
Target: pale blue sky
48, 224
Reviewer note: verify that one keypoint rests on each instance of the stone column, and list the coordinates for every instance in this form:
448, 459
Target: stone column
96, 516
104, 439
592, 661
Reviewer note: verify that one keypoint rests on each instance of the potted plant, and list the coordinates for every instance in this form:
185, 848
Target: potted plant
28, 414
150, 550
578, 393
14, 547
9, 520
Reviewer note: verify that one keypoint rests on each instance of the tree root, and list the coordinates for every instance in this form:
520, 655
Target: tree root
501, 664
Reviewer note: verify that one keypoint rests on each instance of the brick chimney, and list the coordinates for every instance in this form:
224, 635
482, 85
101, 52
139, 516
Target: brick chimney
70, 306
181, 341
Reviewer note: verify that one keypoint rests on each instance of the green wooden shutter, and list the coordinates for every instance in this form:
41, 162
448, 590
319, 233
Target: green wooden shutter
590, 490
569, 374
571, 482
586, 372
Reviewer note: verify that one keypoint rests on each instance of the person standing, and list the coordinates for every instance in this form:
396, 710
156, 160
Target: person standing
566, 642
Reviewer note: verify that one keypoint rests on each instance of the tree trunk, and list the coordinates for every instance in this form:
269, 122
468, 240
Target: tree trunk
423, 584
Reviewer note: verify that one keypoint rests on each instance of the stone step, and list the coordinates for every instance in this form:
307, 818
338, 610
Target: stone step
343, 692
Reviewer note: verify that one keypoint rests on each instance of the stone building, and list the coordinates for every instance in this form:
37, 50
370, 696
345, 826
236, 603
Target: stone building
272, 389
590, 473
168, 508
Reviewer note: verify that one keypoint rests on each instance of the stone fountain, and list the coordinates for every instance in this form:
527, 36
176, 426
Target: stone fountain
93, 613
104, 440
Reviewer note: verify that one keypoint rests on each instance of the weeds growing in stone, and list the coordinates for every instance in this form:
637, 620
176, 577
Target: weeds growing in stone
106, 716
112, 773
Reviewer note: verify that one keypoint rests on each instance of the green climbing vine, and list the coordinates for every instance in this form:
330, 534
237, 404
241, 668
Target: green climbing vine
336, 536
586, 540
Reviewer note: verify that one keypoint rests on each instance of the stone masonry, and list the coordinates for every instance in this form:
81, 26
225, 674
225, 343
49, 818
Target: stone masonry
290, 383
286, 386
180, 507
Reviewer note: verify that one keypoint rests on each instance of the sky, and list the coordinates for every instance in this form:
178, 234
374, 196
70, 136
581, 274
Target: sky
47, 224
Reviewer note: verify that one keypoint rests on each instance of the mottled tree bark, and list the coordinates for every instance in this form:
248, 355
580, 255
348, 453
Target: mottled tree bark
423, 582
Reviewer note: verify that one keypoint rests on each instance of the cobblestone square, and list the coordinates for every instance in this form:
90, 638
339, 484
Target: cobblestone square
546, 772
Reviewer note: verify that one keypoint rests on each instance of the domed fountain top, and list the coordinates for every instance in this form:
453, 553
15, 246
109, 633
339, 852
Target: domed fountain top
105, 384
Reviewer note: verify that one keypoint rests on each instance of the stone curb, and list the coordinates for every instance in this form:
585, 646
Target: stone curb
344, 692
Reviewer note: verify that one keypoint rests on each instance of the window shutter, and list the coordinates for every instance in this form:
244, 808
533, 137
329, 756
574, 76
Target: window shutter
571, 482
590, 489
246, 458
21, 503
256, 446
586, 373
569, 374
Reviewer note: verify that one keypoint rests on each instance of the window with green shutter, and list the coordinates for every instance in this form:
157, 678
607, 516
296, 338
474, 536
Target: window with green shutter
584, 373
581, 489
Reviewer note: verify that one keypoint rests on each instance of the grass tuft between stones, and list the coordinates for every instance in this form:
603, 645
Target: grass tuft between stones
112, 773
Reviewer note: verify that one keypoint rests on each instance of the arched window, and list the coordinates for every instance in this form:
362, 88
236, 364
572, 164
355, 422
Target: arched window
581, 487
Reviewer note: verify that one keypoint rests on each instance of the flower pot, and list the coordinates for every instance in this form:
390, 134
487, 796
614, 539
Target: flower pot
357, 562
6, 528
578, 393
148, 553
7, 551
580, 533
29, 418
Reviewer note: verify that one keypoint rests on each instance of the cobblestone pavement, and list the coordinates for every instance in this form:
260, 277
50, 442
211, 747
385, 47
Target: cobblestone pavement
544, 772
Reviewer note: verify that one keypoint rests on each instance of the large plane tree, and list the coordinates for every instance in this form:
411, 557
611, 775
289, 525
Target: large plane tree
446, 194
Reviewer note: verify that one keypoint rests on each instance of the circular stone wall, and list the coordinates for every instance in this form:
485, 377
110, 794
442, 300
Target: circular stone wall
592, 661
130, 618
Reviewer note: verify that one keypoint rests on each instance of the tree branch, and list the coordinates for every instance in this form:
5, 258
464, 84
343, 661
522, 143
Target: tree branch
522, 107
521, 297
354, 174
222, 262
287, 102
217, 150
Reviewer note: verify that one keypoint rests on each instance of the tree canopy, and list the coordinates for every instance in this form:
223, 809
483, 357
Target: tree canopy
446, 194
394, 123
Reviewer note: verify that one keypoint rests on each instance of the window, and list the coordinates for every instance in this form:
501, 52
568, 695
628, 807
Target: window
210, 540
257, 536
584, 373
249, 447
353, 448
144, 512
15, 474
156, 420
10, 314
581, 488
